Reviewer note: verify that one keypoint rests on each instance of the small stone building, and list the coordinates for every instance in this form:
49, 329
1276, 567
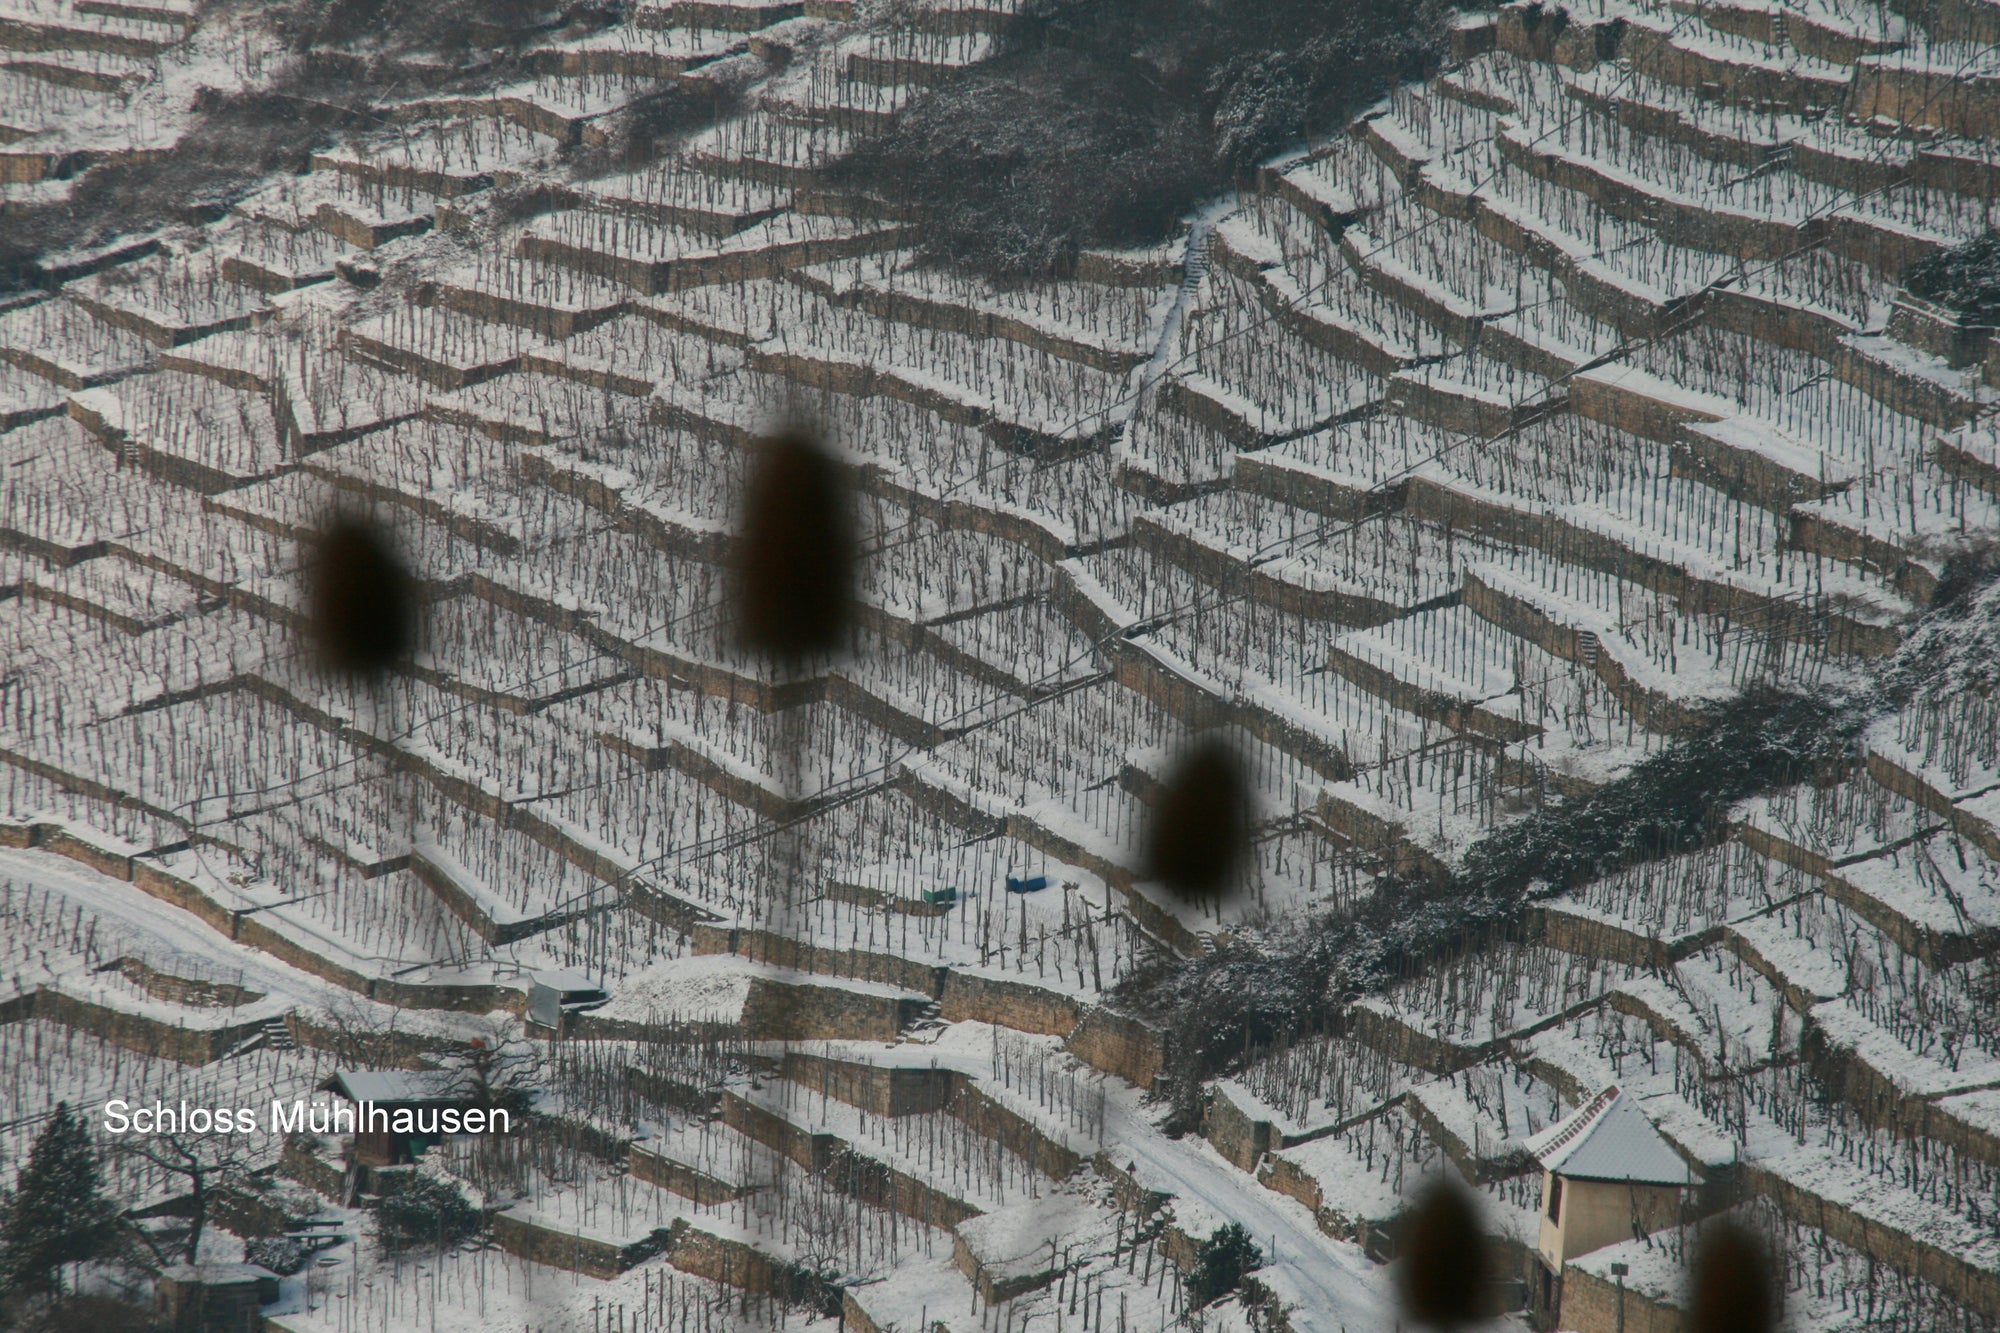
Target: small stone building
393, 1090
1607, 1176
213, 1298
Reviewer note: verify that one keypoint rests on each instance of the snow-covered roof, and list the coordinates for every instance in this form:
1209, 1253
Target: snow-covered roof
1609, 1138
391, 1086
217, 1274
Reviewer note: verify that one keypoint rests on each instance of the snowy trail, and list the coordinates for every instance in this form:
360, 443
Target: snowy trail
159, 923
1194, 266
1328, 1286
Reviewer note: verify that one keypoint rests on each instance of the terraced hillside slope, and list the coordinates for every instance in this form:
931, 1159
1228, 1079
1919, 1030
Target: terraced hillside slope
1465, 460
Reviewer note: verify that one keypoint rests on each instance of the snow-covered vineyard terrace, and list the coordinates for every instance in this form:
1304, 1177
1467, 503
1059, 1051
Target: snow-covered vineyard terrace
1448, 468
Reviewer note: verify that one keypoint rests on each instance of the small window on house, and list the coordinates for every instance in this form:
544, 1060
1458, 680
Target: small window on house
1555, 1198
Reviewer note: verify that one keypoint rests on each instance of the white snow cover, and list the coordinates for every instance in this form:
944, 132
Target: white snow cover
1609, 1138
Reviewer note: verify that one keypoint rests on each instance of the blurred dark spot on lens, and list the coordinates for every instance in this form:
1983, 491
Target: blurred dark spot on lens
797, 551
1731, 1283
1443, 1261
1201, 824
360, 600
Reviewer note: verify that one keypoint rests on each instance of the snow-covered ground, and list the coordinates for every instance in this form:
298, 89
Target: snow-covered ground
1448, 469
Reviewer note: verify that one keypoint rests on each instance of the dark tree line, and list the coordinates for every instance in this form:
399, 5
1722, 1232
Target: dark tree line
56, 1216
1964, 278
239, 139
1223, 1008
1103, 122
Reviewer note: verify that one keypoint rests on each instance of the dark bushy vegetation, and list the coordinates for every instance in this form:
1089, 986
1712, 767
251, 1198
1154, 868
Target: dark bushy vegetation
1965, 278
1102, 122
1222, 1007
240, 139
1673, 800
643, 135
284, 1255
1220, 1263
426, 1214
1967, 572
237, 141
399, 26
350, 55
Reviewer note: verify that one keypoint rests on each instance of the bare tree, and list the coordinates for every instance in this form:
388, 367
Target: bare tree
209, 1163
362, 1035
499, 1069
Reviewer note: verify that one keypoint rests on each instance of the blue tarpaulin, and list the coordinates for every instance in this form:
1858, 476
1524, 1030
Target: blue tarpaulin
1034, 885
